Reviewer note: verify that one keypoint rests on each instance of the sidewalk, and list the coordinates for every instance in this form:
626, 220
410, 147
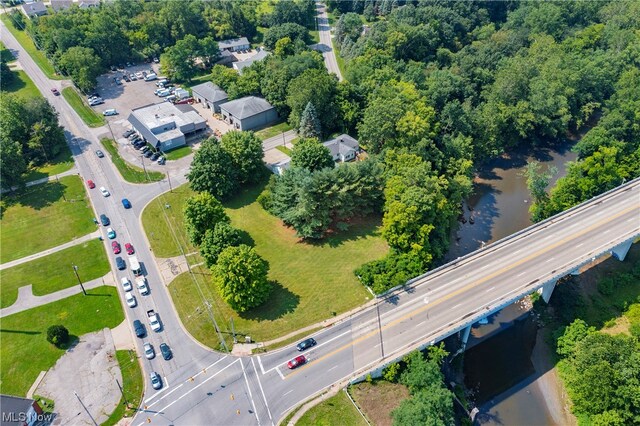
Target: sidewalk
88, 237
71, 171
26, 299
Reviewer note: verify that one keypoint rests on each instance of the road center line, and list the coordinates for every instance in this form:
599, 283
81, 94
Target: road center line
266, 404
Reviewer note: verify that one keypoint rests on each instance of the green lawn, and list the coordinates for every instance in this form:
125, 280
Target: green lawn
177, 153
284, 150
21, 86
132, 387
54, 272
272, 131
306, 277
315, 36
24, 350
337, 410
38, 56
129, 172
88, 115
61, 163
39, 217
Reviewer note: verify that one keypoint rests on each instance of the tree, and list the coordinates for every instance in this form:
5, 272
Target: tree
57, 335
12, 163
537, 182
349, 27
571, 335
309, 123
223, 76
319, 87
284, 47
310, 154
178, 61
245, 151
201, 213
216, 240
241, 277
83, 65
208, 50
294, 32
6, 75
212, 170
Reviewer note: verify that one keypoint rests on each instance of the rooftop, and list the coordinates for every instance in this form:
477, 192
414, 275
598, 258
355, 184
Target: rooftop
247, 62
233, 42
246, 107
342, 144
16, 405
210, 91
34, 8
155, 115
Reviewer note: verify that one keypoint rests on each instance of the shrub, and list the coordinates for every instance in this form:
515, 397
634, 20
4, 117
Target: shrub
58, 335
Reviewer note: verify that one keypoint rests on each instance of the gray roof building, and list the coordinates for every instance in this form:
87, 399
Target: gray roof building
210, 95
85, 4
248, 62
34, 9
343, 148
234, 44
58, 5
248, 113
19, 411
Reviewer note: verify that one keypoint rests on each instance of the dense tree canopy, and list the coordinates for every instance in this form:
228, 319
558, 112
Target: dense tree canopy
212, 170
202, 212
310, 154
216, 239
245, 151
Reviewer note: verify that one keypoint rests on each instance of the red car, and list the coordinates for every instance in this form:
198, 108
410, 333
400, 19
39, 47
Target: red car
115, 246
55, 91
296, 362
90, 184
129, 248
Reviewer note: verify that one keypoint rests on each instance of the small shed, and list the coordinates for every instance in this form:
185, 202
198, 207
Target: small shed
248, 113
210, 95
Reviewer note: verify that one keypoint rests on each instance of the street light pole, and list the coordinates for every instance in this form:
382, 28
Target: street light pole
85, 409
169, 179
75, 270
380, 327
122, 392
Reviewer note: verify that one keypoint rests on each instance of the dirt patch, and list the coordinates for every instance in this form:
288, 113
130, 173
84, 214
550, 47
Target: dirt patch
378, 399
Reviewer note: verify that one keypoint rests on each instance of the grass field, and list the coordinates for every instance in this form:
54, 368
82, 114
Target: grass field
274, 130
54, 272
88, 115
178, 153
378, 399
129, 172
284, 150
21, 86
132, 387
38, 56
337, 410
306, 277
44, 216
25, 352
61, 163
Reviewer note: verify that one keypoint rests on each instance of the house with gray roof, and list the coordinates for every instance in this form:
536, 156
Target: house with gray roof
234, 44
210, 95
34, 9
87, 4
18, 411
58, 5
238, 66
248, 113
343, 148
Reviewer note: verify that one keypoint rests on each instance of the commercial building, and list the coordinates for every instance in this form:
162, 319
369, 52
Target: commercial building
210, 95
238, 66
166, 125
248, 113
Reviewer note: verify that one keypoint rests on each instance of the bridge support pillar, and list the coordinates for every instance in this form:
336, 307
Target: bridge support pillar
620, 252
464, 336
547, 289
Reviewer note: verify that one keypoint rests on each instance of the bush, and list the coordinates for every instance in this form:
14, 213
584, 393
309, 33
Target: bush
390, 373
58, 335
606, 286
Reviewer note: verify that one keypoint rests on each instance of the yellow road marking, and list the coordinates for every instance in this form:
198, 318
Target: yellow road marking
463, 289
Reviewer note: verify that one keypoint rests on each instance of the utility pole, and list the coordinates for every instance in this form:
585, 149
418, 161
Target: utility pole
169, 179
85, 409
233, 331
143, 166
75, 270
122, 392
380, 327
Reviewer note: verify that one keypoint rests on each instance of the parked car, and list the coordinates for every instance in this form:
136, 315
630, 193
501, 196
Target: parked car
118, 81
156, 60
142, 286
155, 156
162, 161
139, 75
126, 284
133, 135
104, 219
100, 154
110, 112
104, 191
126, 203
156, 381
113, 68
129, 64
95, 101
306, 344
120, 263
128, 133
141, 331
130, 299
148, 153
126, 78
129, 249
149, 353
141, 146
166, 351
296, 362
115, 246
133, 77
145, 148
90, 184
111, 233
55, 91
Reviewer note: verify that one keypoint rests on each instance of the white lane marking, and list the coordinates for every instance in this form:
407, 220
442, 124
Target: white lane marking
246, 380
377, 345
632, 219
426, 300
165, 379
548, 260
158, 393
580, 245
261, 367
517, 251
280, 373
521, 274
486, 266
196, 387
422, 322
489, 289
174, 389
455, 306
287, 393
206, 368
335, 366
262, 390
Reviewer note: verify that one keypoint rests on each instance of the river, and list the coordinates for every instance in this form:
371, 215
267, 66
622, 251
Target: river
509, 384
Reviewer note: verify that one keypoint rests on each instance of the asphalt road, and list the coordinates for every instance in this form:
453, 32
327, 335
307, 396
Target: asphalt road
325, 45
204, 387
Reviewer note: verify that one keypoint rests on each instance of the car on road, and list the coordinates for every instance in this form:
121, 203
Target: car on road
104, 191
128, 133
306, 344
55, 91
166, 351
126, 284
129, 248
120, 263
111, 233
149, 353
115, 247
104, 220
156, 381
109, 112
126, 203
139, 328
100, 154
90, 184
130, 299
142, 286
296, 362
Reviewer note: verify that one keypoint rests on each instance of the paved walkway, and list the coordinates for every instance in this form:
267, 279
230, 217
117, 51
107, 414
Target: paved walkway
71, 171
26, 299
47, 252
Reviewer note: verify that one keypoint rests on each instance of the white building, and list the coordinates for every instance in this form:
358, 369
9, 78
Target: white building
234, 44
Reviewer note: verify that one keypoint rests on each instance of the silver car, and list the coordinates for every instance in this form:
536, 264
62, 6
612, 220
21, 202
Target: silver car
149, 352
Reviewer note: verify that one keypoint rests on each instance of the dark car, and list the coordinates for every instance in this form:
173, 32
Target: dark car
166, 351
126, 78
148, 153
99, 153
142, 147
139, 145
296, 362
139, 328
136, 140
133, 135
155, 156
120, 263
126, 203
104, 220
55, 91
128, 133
306, 344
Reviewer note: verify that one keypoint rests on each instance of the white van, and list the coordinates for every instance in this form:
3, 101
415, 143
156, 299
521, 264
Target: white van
162, 93
150, 77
